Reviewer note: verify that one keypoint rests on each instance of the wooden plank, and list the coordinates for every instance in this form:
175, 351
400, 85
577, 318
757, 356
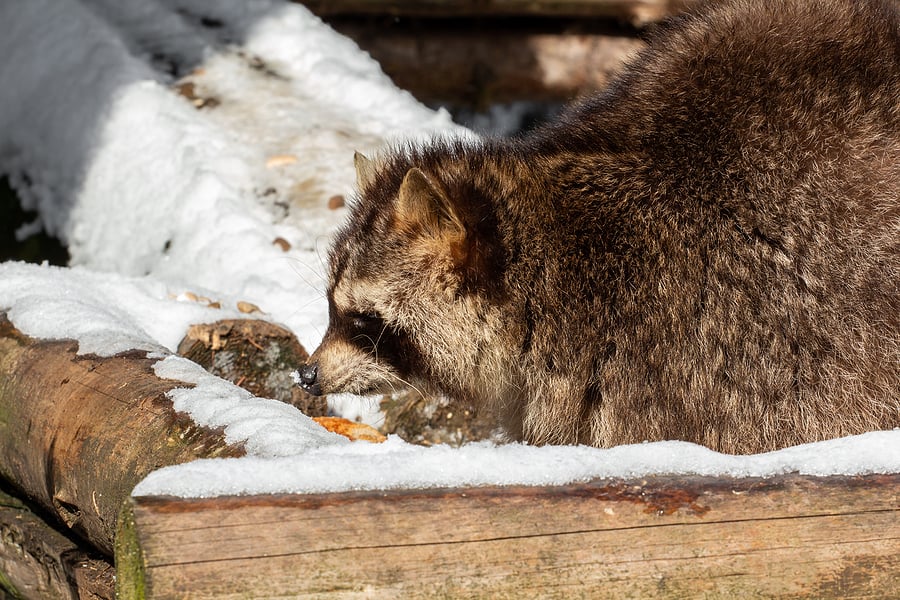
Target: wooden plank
39, 563
635, 11
790, 536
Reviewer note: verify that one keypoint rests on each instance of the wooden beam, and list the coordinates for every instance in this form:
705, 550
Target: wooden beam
78, 432
639, 12
789, 536
479, 66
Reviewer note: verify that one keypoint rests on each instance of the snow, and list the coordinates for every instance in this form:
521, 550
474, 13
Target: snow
136, 180
267, 428
106, 312
398, 465
169, 201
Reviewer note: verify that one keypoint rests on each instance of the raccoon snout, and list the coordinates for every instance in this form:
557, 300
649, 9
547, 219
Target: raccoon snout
309, 379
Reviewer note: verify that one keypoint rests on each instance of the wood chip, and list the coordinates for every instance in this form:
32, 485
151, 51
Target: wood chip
336, 202
247, 307
280, 160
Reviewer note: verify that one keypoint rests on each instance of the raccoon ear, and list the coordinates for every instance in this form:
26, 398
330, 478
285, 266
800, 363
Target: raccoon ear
365, 170
422, 202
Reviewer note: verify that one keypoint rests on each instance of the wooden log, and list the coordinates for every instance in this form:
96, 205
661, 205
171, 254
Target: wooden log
789, 536
256, 355
479, 68
39, 563
638, 12
482, 64
78, 432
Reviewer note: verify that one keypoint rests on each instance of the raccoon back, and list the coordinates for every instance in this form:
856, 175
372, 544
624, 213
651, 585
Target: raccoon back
725, 225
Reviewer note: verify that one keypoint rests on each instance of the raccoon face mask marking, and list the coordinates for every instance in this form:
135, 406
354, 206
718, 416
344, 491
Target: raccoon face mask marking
360, 353
407, 289
366, 348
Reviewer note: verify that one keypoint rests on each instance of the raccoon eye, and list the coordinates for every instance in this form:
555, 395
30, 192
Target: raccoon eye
365, 321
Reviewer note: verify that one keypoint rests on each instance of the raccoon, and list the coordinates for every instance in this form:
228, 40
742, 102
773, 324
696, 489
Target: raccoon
707, 250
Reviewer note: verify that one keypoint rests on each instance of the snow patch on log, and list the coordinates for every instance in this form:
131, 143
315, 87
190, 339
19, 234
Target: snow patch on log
267, 428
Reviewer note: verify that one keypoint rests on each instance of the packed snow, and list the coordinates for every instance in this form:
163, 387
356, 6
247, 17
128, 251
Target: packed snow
138, 180
398, 465
186, 153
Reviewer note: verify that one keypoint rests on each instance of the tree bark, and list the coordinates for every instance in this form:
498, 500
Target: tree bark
78, 432
39, 563
256, 355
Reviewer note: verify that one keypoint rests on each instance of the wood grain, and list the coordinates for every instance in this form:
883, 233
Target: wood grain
77, 432
790, 536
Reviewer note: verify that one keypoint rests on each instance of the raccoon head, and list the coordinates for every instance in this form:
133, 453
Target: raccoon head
415, 283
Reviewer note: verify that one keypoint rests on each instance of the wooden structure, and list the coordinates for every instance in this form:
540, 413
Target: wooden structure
78, 432
38, 562
638, 12
62, 418
476, 53
663, 537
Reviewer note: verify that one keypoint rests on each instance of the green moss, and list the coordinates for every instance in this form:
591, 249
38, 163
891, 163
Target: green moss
129, 557
7, 586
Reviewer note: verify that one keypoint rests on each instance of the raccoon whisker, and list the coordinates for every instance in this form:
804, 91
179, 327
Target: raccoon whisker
380, 335
390, 377
369, 339
318, 330
322, 261
387, 373
374, 342
405, 382
318, 287
301, 308
307, 304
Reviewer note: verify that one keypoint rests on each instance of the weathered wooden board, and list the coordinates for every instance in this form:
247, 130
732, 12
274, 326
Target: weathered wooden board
790, 536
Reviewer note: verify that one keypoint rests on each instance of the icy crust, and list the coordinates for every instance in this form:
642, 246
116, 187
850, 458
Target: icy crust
398, 465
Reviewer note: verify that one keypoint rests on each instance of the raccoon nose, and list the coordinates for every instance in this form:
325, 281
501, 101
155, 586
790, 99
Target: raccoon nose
309, 379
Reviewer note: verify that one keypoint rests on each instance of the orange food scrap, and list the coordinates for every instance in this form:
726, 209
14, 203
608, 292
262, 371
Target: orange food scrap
351, 430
